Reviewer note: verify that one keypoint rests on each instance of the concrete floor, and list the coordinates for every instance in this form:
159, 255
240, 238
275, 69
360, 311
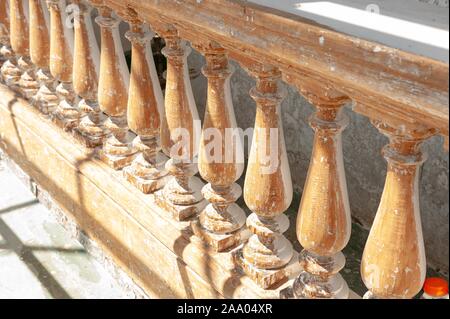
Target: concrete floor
38, 258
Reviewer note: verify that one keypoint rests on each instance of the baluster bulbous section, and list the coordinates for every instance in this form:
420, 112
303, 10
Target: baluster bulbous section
9, 72
221, 161
65, 114
324, 217
393, 263
267, 255
5, 49
113, 85
45, 98
23, 79
181, 195
145, 112
91, 130
28, 83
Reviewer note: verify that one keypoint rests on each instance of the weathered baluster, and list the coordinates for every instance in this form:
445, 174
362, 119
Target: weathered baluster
182, 193
324, 220
393, 263
28, 84
45, 99
86, 59
66, 115
113, 84
145, 110
221, 161
268, 185
5, 50
19, 37
10, 73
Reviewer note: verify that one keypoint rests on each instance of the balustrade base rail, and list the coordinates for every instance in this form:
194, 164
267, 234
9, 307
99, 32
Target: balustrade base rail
161, 255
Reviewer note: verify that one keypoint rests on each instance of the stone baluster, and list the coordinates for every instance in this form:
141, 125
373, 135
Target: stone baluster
324, 217
28, 84
19, 38
5, 50
91, 131
45, 99
393, 263
145, 111
221, 160
267, 255
4, 22
66, 115
181, 195
9, 72
113, 85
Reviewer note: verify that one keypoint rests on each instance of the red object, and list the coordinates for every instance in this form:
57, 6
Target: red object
435, 287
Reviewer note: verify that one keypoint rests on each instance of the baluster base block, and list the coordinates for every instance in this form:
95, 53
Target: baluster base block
308, 286
151, 183
46, 98
64, 123
28, 86
29, 94
220, 242
116, 162
88, 141
11, 83
320, 278
47, 109
288, 292
268, 278
118, 150
90, 134
46, 101
182, 212
11, 75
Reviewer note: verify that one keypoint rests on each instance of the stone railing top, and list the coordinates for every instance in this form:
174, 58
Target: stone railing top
384, 82
413, 26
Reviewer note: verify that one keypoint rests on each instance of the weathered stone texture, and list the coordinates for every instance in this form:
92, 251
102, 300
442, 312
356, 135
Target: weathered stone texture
364, 165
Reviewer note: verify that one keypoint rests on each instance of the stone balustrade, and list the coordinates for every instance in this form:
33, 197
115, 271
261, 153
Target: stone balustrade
152, 137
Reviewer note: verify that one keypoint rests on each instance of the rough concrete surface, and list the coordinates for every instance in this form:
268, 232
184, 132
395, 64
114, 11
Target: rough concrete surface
38, 257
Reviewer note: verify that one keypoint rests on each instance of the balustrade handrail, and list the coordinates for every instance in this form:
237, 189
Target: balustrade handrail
383, 82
